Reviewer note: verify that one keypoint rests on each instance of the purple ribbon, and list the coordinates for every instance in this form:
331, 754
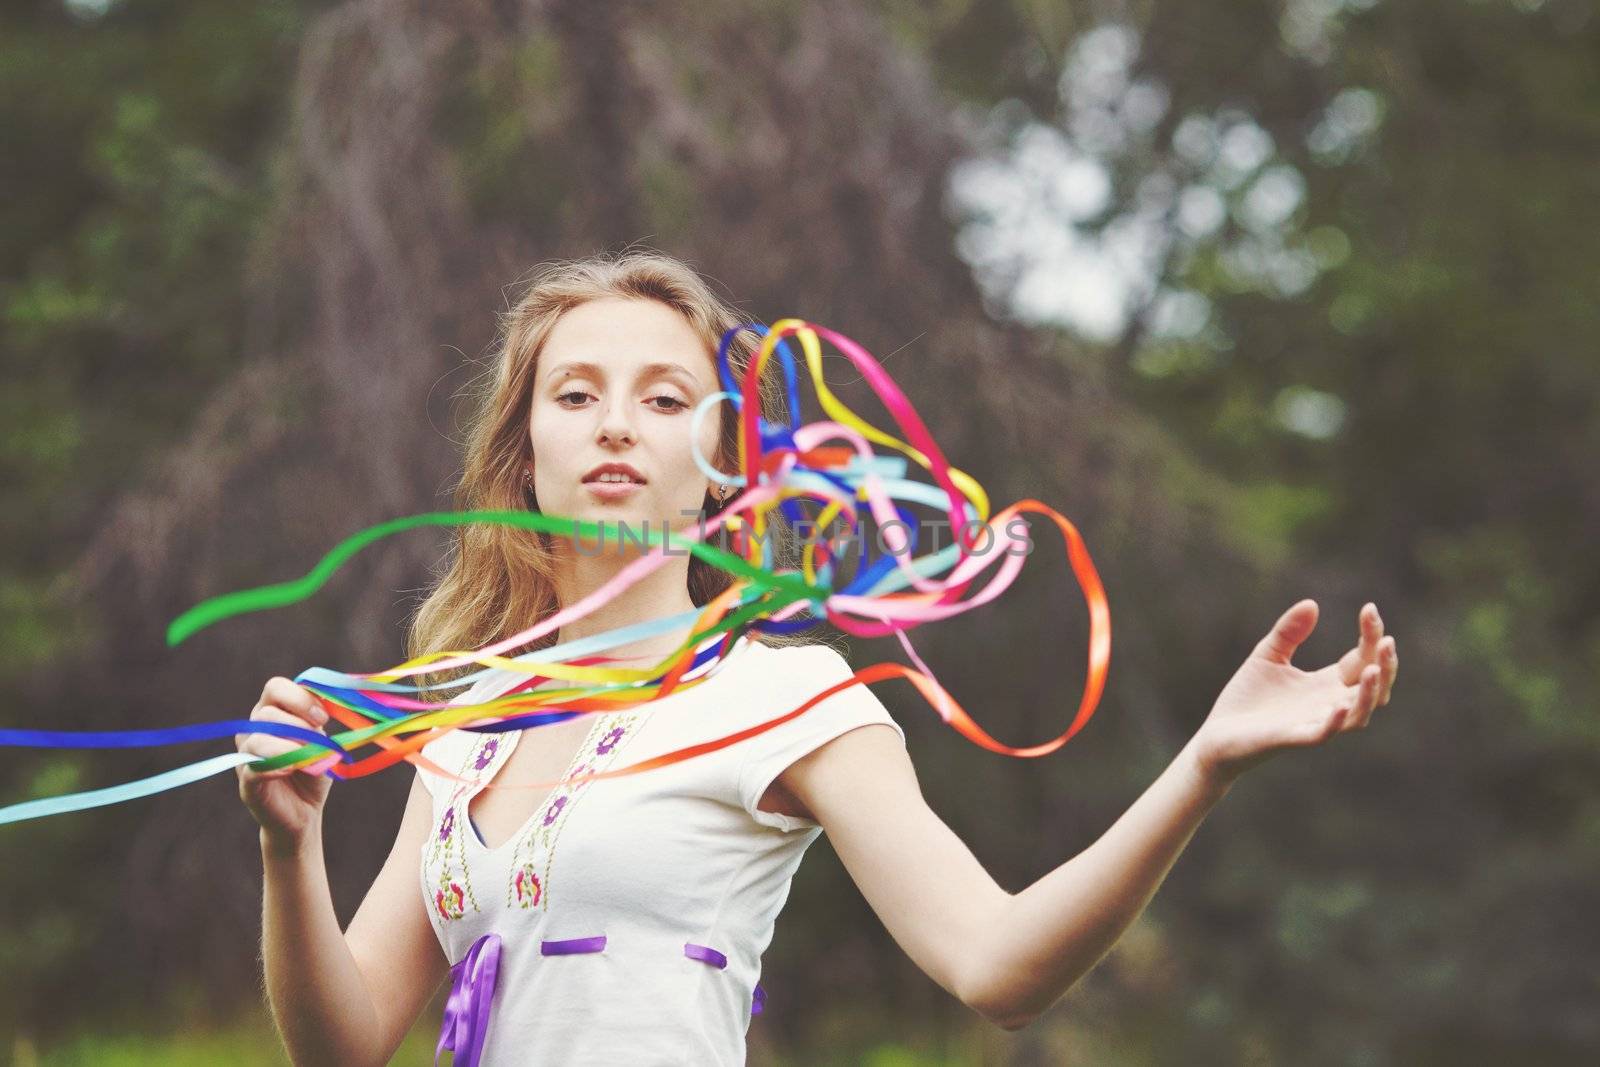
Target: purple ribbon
472, 981
572, 946
466, 1013
707, 954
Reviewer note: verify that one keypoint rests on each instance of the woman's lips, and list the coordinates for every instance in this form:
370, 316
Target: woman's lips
612, 490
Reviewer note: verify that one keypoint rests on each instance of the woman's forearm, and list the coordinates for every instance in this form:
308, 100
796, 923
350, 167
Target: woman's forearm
319, 998
1052, 933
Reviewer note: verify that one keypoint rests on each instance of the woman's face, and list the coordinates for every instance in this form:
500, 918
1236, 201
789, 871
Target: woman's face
617, 382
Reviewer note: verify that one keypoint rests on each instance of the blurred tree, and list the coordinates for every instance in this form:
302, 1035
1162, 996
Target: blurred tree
1367, 307
139, 142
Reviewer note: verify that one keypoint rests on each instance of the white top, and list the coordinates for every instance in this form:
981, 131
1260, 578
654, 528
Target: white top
651, 862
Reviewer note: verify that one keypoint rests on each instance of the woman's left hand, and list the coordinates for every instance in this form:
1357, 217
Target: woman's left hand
1270, 705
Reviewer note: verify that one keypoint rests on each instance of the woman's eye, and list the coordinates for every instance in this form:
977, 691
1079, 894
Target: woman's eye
672, 402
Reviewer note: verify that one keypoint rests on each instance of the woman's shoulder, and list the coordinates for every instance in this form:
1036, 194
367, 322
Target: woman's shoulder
807, 662
802, 652
799, 671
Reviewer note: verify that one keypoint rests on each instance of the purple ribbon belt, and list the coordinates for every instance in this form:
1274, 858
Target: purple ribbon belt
466, 1014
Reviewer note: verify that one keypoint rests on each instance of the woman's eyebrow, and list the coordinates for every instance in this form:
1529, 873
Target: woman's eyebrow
596, 371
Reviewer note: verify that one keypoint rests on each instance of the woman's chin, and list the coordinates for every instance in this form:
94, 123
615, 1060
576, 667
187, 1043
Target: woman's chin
629, 526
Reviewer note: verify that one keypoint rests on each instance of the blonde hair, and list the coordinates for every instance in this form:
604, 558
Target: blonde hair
498, 580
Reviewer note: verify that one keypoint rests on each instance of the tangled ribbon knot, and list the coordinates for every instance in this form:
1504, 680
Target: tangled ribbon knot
830, 463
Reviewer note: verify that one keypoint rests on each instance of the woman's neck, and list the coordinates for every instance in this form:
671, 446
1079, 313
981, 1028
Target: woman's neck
659, 594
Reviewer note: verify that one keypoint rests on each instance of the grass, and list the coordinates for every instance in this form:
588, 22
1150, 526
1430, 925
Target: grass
251, 1042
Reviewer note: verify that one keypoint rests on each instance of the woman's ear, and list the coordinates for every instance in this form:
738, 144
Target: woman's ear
527, 486
721, 463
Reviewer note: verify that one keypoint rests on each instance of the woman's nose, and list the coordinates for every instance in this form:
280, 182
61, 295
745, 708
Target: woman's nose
615, 427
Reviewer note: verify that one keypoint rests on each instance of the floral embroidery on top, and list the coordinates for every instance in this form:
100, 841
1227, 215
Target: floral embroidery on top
555, 810
527, 886
446, 857
534, 851
449, 901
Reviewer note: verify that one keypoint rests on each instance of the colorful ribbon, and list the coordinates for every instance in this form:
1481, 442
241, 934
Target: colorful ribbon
828, 463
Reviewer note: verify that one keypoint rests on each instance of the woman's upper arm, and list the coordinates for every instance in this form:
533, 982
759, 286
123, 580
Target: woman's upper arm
924, 883
390, 936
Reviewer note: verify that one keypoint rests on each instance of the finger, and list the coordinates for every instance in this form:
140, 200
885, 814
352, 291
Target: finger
1370, 627
1350, 665
315, 718
290, 696
1389, 658
1286, 635
1348, 700
263, 746
1370, 688
270, 713
1360, 699
1369, 631
274, 714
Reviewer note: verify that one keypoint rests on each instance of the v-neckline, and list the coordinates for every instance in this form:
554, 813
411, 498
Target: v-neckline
509, 741
511, 738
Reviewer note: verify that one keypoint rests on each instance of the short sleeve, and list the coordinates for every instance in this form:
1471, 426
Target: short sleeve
806, 670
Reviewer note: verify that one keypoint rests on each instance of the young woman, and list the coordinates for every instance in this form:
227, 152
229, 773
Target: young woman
633, 911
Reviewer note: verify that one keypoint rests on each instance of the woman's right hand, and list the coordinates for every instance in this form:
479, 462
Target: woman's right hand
286, 802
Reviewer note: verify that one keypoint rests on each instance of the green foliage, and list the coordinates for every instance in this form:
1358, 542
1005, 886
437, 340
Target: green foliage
142, 140
503, 124
251, 1042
